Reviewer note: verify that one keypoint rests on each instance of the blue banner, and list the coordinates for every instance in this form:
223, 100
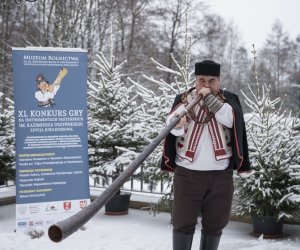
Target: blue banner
50, 95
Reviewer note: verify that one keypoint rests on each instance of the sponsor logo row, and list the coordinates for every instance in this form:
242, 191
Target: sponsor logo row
37, 208
34, 223
29, 215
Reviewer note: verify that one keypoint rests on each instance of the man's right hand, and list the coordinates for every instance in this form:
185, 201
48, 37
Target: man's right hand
181, 123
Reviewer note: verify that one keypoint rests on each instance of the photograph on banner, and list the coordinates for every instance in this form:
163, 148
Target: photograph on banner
50, 95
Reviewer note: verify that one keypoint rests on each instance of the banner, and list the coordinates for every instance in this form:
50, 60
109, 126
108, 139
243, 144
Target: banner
50, 95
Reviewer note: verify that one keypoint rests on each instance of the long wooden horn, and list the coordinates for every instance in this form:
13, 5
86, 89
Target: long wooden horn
64, 228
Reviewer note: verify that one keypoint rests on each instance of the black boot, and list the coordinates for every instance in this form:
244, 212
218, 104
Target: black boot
209, 242
182, 241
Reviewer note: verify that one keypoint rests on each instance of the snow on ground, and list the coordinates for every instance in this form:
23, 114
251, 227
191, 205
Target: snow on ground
137, 231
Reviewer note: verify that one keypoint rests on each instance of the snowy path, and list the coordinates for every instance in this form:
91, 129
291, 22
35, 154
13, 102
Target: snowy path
137, 231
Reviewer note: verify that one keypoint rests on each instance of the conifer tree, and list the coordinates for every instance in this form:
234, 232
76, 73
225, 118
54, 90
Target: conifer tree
274, 148
7, 139
114, 133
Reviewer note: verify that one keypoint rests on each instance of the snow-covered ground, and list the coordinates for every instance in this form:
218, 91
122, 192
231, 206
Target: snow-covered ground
137, 231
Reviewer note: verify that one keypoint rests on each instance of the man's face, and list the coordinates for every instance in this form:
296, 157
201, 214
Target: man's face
212, 82
43, 86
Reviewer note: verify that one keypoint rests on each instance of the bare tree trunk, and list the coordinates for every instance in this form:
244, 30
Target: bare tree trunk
176, 18
136, 10
8, 17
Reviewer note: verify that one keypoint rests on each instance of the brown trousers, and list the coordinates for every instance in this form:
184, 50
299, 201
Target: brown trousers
207, 192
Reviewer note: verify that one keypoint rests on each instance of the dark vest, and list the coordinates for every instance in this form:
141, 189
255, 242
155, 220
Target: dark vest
240, 157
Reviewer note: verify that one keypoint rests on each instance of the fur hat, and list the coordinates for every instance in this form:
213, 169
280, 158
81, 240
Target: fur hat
207, 68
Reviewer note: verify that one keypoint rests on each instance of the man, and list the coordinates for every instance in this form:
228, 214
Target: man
45, 92
203, 150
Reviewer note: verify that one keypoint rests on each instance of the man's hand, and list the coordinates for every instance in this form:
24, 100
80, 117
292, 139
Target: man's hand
51, 88
204, 91
181, 123
246, 174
